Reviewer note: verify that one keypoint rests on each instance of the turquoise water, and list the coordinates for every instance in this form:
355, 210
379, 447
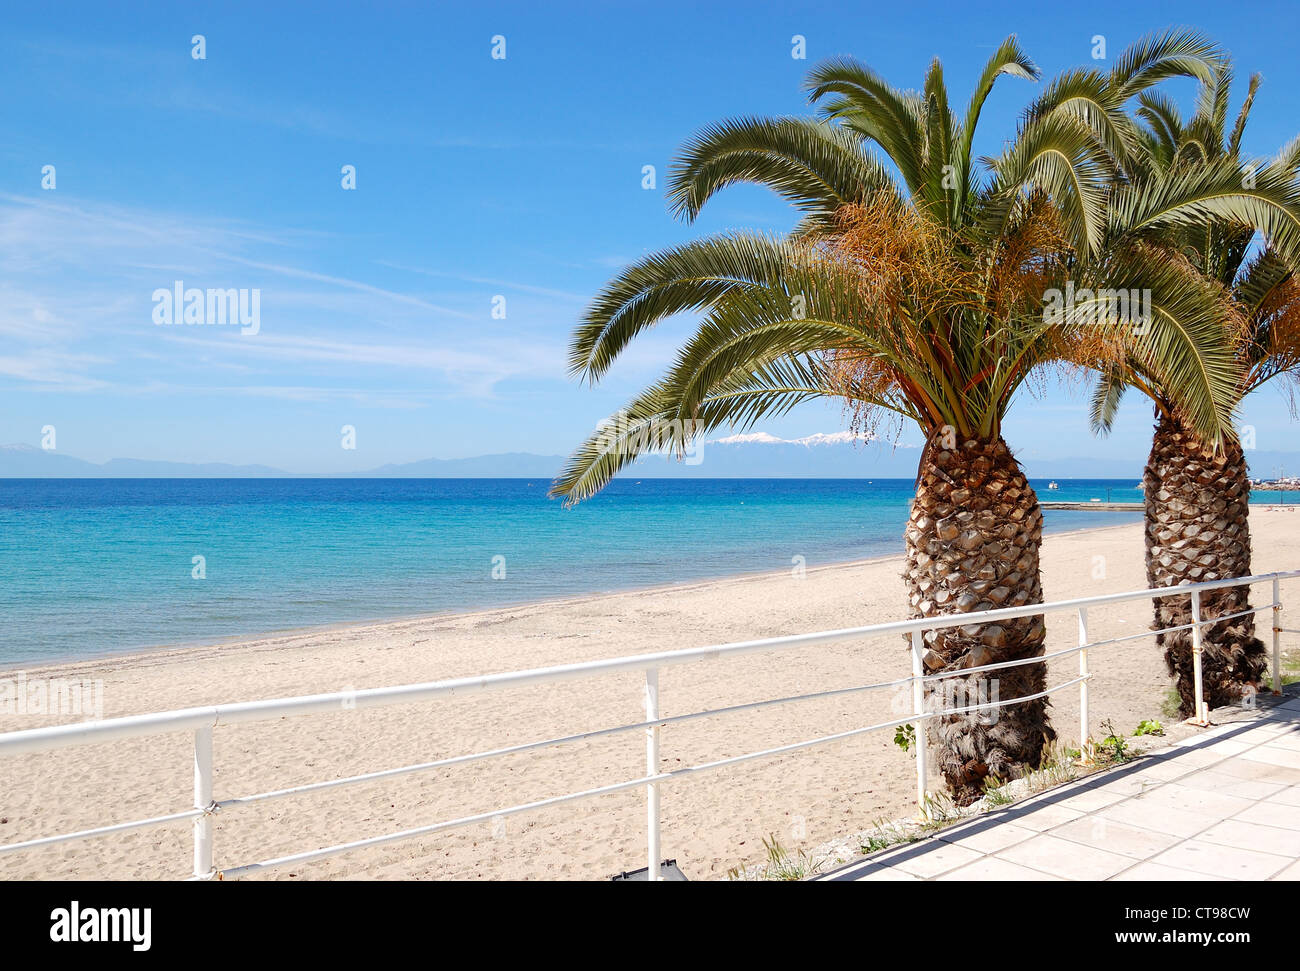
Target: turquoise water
98, 566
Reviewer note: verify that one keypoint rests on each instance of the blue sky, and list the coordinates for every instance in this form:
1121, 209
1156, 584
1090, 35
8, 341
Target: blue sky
475, 178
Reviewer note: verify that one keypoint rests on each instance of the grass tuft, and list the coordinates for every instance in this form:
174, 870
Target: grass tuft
780, 864
1171, 704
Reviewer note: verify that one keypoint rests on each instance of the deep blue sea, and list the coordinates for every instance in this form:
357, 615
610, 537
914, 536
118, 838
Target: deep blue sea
99, 566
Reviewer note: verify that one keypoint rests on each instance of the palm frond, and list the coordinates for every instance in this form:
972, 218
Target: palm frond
1087, 95
1009, 59
939, 134
1183, 347
1161, 114
1268, 291
874, 109
1059, 154
816, 166
1106, 396
1239, 128
1156, 57
1266, 199
1288, 157
678, 280
1212, 101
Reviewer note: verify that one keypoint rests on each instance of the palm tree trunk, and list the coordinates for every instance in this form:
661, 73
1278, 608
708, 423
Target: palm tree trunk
1198, 528
972, 544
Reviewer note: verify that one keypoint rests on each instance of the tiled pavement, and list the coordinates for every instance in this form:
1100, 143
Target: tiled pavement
1223, 804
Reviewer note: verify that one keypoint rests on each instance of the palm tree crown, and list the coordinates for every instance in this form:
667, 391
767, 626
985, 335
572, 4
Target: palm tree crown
849, 304
1261, 322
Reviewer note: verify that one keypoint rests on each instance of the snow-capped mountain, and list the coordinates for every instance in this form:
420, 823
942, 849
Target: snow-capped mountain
818, 438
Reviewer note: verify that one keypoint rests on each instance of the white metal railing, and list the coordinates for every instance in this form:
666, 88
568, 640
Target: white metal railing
201, 721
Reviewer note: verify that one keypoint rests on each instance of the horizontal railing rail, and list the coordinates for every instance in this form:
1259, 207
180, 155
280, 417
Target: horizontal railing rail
203, 720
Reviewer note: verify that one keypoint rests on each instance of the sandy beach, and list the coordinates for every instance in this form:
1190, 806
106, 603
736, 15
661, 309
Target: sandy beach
711, 822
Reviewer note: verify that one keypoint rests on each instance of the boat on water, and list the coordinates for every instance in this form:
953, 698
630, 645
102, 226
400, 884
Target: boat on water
1053, 485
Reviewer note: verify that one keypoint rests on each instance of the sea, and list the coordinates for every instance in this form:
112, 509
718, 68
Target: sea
93, 567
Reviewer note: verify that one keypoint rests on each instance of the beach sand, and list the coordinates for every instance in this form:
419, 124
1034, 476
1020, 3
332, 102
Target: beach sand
711, 821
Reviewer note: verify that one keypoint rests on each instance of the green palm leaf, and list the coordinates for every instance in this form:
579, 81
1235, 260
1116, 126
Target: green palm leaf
685, 278
817, 167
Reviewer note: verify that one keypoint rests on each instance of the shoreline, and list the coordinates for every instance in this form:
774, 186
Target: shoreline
54, 666
710, 823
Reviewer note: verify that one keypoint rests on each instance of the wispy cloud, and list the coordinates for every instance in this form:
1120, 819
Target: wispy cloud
472, 371
138, 75
301, 274
490, 281
76, 280
49, 371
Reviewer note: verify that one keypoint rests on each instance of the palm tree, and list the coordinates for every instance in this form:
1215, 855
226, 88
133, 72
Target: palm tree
913, 289
1197, 497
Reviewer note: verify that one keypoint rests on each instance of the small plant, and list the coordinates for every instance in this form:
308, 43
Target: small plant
1149, 726
780, 864
995, 792
887, 833
936, 811
1171, 704
1055, 766
1290, 670
905, 737
1114, 745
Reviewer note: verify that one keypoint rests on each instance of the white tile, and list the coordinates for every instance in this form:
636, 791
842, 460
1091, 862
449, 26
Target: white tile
1289, 796
1040, 816
1215, 781
1272, 755
1200, 756
1123, 781
1116, 837
1090, 799
1204, 735
1272, 814
933, 857
1287, 740
1157, 871
1262, 728
1161, 819
1222, 748
1290, 873
986, 835
1245, 768
993, 868
1226, 862
862, 870
1254, 836
1066, 859
1165, 769
1205, 803
887, 873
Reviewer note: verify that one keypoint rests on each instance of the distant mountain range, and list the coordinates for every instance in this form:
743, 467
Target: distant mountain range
757, 455
26, 461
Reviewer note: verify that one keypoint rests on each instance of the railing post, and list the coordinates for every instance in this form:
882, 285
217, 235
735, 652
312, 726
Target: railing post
1202, 714
652, 769
917, 643
1277, 637
203, 800
1085, 747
